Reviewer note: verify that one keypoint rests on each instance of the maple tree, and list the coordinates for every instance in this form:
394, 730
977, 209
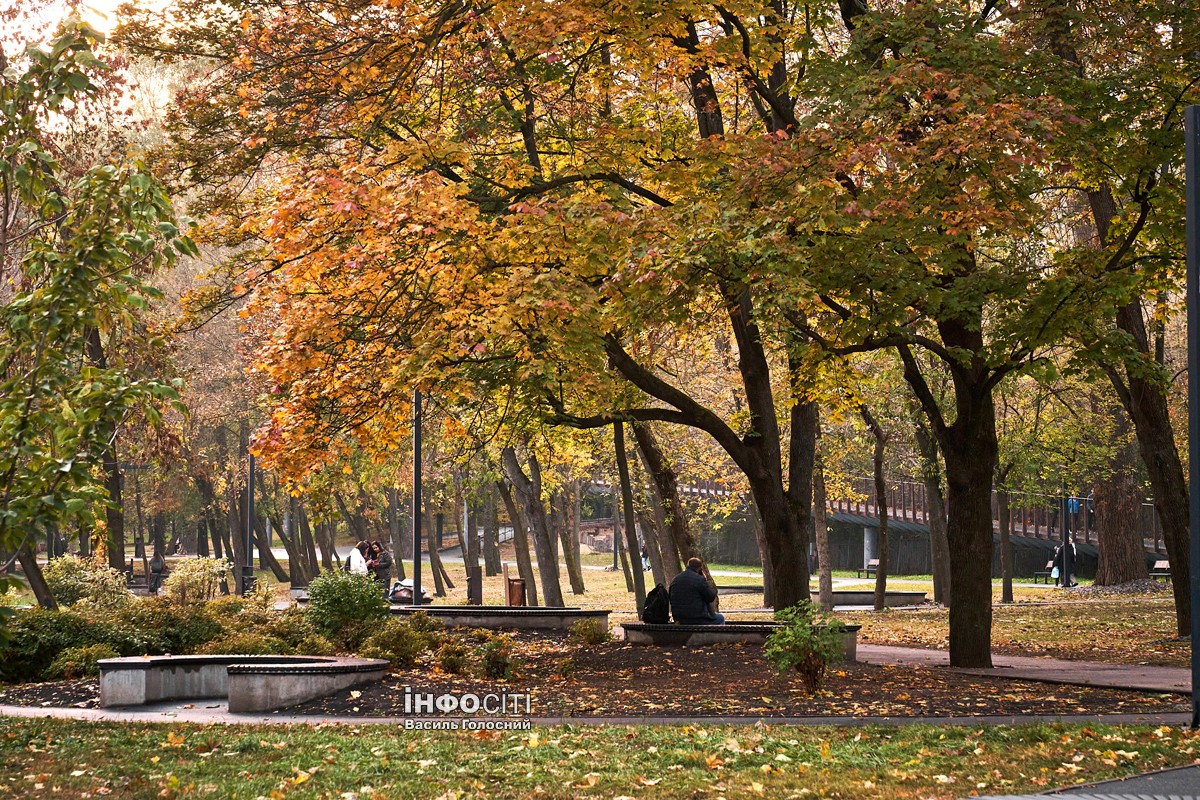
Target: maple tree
552, 198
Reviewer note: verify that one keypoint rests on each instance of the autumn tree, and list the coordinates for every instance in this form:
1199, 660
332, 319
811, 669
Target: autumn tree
75, 251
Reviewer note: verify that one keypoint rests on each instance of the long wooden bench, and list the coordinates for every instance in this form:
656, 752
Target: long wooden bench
518, 617
252, 683
1161, 569
674, 635
870, 569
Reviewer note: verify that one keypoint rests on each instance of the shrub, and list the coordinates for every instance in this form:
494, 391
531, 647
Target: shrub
166, 627
316, 645
291, 626
421, 622
338, 600
79, 662
37, 636
565, 667
247, 644
496, 658
72, 580
396, 641
453, 657
809, 641
196, 580
589, 631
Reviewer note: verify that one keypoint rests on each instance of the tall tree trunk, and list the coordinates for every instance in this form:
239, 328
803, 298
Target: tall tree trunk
561, 502
202, 537
935, 513
34, 577
619, 558
1004, 512
970, 448
760, 537
1118, 503
520, 542
631, 540
295, 572
529, 493
441, 578
396, 528
821, 533
491, 533
267, 558
665, 484
470, 538
881, 505
114, 511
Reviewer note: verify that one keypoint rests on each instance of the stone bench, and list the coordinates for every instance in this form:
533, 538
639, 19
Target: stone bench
673, 635
517, 617
252, 683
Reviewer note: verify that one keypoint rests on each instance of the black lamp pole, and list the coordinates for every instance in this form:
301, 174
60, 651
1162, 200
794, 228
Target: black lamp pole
1191, 127
416, 498
248, 567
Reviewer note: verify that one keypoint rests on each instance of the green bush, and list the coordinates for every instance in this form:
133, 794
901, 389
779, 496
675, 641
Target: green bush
72, 580
247, 644
396, 641
809, 641
37, 636
316, 645
79, 662
565, 667
421, 622
340, 603
589, 631
453, 657
496, 658
167, 627
196, 580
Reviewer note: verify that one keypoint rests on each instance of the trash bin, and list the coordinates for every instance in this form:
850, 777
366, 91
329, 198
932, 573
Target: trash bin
516, 591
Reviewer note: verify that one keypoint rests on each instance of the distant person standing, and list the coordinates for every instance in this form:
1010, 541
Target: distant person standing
356, 562
645, 559
158, 565
1064, 561
692, 597
380, 564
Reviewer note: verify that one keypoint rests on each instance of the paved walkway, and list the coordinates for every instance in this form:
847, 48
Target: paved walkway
1176, 680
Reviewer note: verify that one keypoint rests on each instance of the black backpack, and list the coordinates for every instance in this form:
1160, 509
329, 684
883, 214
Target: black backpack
658, 607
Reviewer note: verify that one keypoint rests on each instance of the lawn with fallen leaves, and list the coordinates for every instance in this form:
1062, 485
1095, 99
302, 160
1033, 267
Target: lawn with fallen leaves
48, 758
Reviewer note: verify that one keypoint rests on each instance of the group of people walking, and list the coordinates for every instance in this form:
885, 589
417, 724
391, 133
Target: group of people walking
371, 558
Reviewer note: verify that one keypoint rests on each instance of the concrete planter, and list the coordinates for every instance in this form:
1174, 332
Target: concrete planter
252, 683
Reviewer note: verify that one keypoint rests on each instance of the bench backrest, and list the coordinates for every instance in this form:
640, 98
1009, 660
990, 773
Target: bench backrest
874, 562
1161, 565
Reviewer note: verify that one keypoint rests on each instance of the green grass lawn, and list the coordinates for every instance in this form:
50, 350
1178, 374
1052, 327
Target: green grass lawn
74, 759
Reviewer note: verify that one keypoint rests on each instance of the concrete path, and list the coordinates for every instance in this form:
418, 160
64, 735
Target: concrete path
1175, 680
1179, 783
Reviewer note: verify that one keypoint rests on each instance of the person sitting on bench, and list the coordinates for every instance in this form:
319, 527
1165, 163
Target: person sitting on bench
692, 597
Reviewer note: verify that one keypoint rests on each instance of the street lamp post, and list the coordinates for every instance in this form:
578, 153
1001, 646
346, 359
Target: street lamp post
1191, 127
416, 498
248, 567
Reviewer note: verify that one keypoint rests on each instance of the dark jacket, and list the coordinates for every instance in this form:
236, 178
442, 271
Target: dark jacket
690, 596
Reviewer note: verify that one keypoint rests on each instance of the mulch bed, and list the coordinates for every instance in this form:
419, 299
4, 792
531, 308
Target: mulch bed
619, 680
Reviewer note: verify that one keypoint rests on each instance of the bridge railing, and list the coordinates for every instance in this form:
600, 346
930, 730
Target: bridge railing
1031, 514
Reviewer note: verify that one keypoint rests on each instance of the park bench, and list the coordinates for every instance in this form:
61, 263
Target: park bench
675, 635
870, 569
252, 683
1161, 569
1044, 573
519, 617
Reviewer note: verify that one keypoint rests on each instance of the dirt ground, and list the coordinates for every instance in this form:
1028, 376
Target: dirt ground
616, 679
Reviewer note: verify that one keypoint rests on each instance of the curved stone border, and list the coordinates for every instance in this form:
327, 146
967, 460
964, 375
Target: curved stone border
520, 617
252, 683
700, 635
